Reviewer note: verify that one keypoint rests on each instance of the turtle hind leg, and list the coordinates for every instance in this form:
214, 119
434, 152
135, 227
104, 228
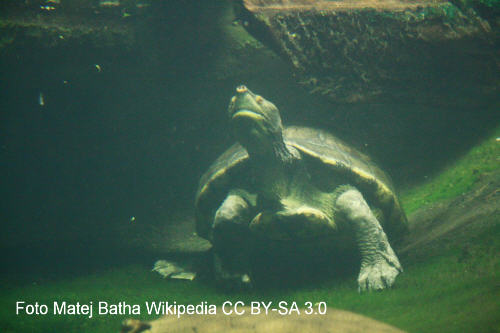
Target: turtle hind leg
172, 270
379, 264
230, 237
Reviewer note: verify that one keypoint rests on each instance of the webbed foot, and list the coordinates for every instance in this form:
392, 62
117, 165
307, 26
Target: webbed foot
379, 275
172, 270
379, 264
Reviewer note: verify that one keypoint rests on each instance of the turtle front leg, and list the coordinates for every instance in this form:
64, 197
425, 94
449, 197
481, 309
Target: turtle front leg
230, 237
379, 264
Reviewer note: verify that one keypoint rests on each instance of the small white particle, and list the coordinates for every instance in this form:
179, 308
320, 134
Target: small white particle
41, 99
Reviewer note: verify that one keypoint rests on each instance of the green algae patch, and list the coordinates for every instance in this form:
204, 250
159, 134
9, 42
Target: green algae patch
490, 3
459, 177
445, 291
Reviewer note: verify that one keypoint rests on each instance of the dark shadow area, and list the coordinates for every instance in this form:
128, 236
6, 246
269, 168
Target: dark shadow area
40, 263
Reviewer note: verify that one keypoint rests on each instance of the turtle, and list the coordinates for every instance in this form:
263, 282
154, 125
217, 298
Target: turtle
294, 188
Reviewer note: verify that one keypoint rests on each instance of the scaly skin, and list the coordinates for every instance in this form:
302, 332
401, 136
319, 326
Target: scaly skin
379, 264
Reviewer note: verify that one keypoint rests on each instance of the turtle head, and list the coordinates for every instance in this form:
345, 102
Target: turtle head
256, 122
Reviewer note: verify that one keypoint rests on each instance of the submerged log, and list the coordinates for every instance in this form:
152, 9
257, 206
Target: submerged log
375, 50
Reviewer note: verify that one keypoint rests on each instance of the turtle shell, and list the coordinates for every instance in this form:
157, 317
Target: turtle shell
333, 158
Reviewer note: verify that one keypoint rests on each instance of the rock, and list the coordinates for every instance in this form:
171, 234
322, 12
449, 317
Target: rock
334, 321
355, 51
454, 221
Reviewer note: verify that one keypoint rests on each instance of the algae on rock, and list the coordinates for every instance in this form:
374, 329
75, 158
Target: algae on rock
351, 51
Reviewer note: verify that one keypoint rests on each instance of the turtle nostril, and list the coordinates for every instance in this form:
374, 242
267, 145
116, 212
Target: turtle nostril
241, 89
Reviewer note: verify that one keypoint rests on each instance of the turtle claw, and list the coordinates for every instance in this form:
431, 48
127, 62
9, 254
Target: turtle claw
378, 276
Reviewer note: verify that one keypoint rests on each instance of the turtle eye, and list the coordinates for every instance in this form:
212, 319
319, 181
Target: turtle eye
259, 99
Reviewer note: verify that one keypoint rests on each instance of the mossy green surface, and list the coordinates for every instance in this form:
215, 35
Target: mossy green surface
445, 293
490, 3
459, 177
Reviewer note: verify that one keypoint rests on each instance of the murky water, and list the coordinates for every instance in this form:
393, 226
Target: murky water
112, 111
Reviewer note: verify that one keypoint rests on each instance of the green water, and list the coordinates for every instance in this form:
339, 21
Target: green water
105, 133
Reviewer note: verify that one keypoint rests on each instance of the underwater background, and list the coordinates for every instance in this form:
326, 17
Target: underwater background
112, 110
